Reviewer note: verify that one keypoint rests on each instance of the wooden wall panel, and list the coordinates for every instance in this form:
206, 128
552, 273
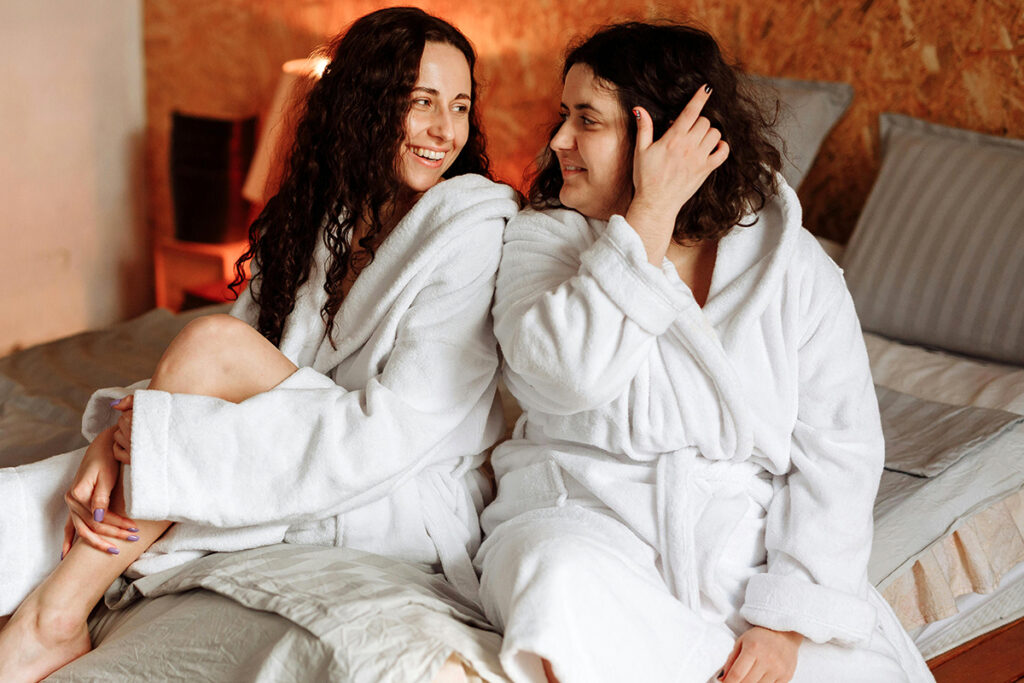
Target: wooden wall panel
956, 62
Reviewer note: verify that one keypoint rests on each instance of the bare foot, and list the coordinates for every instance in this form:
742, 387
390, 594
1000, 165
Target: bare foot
33, 645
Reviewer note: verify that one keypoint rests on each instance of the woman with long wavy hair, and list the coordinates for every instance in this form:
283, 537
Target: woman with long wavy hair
351, 391
688, 494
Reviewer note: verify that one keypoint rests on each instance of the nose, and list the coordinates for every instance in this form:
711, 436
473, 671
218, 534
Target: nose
564, 138
442, 126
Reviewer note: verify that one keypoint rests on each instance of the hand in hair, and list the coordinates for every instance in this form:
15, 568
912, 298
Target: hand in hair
668, 172
760, 655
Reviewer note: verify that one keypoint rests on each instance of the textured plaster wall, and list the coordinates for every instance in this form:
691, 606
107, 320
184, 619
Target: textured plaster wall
72, 124
957, 62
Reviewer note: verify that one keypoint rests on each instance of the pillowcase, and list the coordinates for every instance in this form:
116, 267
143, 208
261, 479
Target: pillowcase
937, 256
809, 110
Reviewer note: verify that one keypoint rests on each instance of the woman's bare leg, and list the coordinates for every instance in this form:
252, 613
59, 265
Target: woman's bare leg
451, 671
215, 356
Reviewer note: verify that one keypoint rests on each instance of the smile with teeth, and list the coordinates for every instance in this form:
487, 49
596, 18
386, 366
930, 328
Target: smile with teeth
425, 153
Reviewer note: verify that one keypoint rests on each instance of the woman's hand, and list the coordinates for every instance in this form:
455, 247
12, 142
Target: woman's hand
123, 434
667, 173
762, 656
88, 499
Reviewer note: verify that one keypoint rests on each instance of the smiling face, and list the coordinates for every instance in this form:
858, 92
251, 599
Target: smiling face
437, 125
592, 147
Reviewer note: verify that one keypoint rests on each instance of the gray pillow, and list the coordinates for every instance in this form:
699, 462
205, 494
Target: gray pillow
809, 110
937, 257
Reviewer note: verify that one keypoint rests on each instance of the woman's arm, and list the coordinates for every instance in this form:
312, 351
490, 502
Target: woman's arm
819, 525
575, 316
309, 448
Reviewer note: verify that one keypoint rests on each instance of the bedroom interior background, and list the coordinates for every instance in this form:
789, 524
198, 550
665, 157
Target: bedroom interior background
87, 182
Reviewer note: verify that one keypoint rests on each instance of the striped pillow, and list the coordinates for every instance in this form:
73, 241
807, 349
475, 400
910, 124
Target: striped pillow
937, 257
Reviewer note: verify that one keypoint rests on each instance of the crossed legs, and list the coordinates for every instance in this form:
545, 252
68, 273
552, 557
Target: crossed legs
214, 356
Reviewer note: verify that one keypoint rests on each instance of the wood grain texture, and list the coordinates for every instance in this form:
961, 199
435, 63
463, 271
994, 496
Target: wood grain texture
956, 62
994, 657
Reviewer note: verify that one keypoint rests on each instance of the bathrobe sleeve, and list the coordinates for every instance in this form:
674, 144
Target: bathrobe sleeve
576, 316
819, 524
309, 448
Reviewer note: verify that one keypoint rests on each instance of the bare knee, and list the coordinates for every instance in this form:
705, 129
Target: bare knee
218, 355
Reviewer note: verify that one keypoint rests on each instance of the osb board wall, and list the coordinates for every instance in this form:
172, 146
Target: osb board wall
956, 62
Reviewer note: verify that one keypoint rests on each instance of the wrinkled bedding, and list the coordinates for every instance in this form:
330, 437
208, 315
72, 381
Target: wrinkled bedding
286, 612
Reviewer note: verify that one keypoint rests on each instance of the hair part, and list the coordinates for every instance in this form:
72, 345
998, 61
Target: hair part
342, 167
660, 67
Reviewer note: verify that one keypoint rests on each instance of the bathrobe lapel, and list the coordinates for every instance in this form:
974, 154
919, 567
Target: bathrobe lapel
694, 512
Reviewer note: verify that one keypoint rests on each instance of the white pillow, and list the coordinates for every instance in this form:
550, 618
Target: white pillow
937, 257
809, 111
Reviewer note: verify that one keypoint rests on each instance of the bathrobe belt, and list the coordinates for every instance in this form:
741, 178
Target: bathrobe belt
699, 503
448, 532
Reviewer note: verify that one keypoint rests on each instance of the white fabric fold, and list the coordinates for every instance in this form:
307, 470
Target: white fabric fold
646, 400
374, 442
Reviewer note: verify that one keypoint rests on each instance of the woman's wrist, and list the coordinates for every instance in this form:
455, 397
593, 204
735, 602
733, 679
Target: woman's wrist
654, 227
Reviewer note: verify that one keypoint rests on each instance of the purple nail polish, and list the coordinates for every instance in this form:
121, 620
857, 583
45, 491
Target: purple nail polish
97, 515
133, 538
115, 402
113, 551
61, 555
133, 529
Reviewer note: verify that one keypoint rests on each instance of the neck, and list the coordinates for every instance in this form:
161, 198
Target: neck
695, 264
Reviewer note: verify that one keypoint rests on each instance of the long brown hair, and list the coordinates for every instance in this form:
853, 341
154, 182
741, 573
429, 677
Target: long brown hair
341, 169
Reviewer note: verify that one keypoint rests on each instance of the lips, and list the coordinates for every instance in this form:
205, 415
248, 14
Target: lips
571, 169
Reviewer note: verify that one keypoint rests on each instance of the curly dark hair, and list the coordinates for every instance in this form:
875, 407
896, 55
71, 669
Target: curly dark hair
659, 67
342, 166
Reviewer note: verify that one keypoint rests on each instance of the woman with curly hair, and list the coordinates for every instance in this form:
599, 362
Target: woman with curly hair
688, 493
348, 398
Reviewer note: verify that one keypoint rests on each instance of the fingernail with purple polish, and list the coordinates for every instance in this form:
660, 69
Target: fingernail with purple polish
133, 529
113, 551
133, 538
61, 555
115, 402
97, 515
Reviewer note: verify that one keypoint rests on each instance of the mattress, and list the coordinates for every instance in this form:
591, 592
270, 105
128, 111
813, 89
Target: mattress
949, 550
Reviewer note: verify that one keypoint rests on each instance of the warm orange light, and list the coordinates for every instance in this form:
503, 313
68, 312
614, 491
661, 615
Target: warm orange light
278, 130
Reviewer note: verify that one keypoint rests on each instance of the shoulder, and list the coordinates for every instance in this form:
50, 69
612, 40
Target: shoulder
554, 226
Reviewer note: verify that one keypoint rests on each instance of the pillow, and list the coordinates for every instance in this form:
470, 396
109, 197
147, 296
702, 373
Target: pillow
809, 111
937, 256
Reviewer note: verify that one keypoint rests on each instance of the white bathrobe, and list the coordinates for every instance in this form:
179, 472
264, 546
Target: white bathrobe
372, 444
697, 470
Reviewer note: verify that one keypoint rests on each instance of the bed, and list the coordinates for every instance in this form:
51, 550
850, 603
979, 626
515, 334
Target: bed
949, 532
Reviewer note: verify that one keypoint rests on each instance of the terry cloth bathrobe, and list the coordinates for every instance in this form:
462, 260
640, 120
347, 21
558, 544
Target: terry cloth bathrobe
681, 473
373, 444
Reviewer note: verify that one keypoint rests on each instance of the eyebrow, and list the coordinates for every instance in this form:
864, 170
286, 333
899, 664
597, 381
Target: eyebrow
581, 107
436, 93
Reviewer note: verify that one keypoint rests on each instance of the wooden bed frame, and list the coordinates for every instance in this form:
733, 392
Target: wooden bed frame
993, 657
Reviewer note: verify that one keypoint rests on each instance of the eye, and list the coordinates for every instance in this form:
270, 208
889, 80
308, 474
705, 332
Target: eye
587, 121
460, 108
421, 101
563, 115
